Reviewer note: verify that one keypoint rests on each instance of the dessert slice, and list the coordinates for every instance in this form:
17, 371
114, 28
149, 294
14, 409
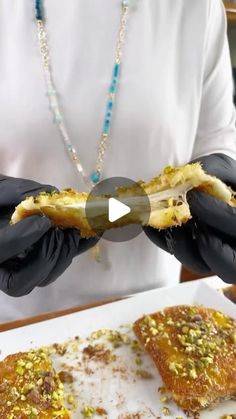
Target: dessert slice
30, 388
194, 349
159, 203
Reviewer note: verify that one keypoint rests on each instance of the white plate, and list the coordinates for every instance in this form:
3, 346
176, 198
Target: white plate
119, 394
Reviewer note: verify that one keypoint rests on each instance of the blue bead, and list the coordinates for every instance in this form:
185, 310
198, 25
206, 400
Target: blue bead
38, 10
106, 126
116, 70
95, 177
107, 123
38, 5
110, 104
39, 16
108, 115
113, 87
69, 147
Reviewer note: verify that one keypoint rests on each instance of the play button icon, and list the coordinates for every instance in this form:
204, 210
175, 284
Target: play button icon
116, 209
112, 208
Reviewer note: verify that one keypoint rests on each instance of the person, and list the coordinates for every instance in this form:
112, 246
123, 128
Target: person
174, 105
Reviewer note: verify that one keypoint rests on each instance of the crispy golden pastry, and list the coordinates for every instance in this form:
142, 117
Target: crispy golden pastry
194, 349
167, 198
30, 388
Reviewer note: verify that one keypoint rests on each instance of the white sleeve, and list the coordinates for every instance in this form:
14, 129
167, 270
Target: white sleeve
216, 132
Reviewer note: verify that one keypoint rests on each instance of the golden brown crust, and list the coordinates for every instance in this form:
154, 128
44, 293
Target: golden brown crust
30, 388
194, 349
166, 193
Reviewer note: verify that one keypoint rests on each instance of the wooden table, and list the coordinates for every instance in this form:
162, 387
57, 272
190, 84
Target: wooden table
230, 292
53, 315
231, 12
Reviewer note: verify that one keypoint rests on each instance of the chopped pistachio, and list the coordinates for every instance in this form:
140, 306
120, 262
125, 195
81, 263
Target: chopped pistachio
207, 360
28, 365
135, 346
88, 411
138, 360
175, 367
144, 374
166, 411
168, 169
164, 399
170, 322
193, 373
16, 408
149, 321
20, 370
29, 386
162, 389
21, 363
153, 331
40, 382
70, 399
185, 329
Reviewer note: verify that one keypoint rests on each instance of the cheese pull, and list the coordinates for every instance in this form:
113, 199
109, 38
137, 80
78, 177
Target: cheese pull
165, 207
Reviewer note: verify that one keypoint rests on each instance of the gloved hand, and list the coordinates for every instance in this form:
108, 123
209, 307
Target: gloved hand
32, 252
207, 243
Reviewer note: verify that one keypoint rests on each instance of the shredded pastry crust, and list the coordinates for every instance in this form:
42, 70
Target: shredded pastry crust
166, 194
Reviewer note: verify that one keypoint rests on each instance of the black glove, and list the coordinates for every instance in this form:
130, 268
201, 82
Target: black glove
32, 252
207, 243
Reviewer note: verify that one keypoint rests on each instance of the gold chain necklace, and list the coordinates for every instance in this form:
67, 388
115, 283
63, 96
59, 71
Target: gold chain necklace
58, 118
54, 105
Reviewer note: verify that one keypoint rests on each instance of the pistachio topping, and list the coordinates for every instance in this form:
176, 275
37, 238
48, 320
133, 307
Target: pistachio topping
33, 387
202, 337
165, 411
88, 411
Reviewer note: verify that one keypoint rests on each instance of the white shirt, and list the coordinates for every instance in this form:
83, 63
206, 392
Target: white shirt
174, 104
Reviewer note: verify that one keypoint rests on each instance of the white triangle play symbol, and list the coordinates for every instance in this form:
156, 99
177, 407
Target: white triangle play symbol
116, 209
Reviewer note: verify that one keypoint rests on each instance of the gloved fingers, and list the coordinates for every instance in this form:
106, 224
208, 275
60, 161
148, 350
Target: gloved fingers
213, 212
18, 282
219, 255
15, 239
179, 241
5, 218
186, 250
72, 246
33, 189
14, 190
19, 277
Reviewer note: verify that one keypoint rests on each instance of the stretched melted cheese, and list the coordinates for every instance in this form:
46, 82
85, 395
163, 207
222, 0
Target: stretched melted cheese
166, 194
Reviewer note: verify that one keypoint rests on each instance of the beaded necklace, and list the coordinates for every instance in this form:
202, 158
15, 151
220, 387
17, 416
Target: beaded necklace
58, 119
